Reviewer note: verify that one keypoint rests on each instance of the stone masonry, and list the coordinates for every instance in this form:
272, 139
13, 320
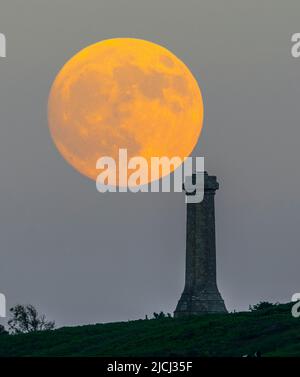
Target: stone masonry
201, 294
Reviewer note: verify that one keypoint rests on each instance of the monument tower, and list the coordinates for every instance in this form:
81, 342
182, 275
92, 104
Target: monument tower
201, 294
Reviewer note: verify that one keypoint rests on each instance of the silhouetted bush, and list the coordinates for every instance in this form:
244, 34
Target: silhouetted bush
2, 330
161, 315
263, 305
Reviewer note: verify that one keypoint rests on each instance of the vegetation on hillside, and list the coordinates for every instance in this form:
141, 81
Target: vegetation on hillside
271, 329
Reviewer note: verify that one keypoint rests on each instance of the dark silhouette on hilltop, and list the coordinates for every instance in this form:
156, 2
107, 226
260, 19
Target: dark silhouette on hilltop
201, 293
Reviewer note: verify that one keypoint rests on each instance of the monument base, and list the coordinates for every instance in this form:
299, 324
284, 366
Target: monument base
204, 302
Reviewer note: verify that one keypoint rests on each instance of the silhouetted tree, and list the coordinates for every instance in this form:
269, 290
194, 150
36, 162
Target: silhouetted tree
25, 319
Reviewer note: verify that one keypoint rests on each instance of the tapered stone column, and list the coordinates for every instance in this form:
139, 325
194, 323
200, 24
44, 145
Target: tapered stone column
201, 294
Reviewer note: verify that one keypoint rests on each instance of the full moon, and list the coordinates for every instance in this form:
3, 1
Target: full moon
124, 93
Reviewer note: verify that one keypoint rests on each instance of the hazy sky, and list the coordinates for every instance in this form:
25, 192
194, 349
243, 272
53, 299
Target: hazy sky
83, 257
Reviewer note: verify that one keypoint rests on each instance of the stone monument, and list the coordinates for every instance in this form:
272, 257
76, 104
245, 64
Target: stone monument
201, 294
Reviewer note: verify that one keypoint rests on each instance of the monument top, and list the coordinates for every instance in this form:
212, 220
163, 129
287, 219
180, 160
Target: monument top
210, 182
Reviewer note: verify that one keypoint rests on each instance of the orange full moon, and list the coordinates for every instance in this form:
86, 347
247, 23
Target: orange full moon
124, 93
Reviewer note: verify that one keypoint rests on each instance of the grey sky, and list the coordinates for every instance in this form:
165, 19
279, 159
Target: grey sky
84, 257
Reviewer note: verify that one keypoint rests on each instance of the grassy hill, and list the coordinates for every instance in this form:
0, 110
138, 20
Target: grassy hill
272, 331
